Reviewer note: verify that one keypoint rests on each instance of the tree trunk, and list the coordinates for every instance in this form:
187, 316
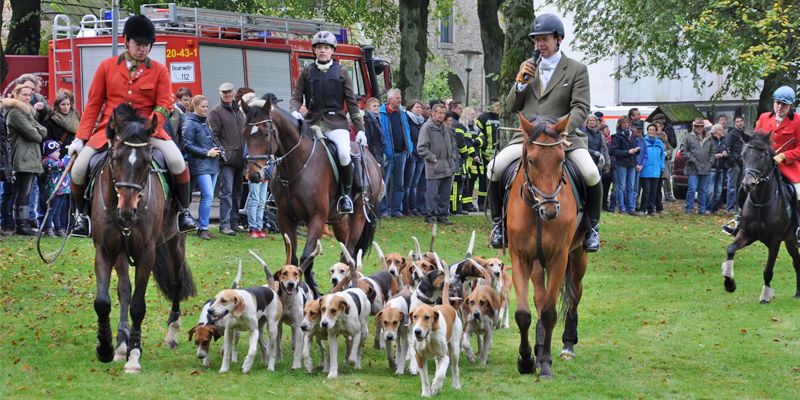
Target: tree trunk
413, 47
24, 29
519, 15
771, 82
3, 62
493, 41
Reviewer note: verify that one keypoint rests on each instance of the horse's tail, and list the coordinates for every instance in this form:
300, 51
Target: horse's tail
569, 290
163, 272
367, 235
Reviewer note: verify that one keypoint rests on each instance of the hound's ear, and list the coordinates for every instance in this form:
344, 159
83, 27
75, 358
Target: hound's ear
276, 275
244, 106
378, 318
343, 304
238, 307
191, 332
217, 333
561, 126
525, 124
435, 321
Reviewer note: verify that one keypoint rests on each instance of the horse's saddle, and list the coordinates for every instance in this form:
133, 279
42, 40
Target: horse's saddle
789, 198
359, 177
574, 176
98, 161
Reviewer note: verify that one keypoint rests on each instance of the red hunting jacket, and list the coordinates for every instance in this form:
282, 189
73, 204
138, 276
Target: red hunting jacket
781, 135
113, 85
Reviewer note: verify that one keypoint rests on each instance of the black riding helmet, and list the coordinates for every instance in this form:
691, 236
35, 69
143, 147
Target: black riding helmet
547, 24
140, 29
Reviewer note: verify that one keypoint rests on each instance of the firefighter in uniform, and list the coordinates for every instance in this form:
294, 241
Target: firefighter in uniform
465, 153
327, 88
144, 84
556, 86
488, 125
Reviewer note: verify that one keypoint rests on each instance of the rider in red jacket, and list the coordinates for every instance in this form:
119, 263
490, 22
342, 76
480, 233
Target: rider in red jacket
784, 128
144, 84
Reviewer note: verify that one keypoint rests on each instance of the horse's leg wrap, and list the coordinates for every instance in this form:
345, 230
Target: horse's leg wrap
767, 293
104, 350
173, 316
570, 335
727, 269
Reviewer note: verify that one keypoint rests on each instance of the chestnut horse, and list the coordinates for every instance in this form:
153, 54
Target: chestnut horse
134, 223
546, 242
303, 183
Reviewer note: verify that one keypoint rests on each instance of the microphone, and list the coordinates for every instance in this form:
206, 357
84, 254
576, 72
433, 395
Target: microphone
535, 57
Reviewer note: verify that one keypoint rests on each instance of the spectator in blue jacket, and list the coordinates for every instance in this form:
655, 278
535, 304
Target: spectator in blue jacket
652, 169
398, 146
203, 156
624, 151
638, 132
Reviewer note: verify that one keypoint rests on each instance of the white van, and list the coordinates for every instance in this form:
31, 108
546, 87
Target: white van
612, 113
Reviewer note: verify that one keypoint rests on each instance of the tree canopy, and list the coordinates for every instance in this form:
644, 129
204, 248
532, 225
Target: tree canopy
742, 40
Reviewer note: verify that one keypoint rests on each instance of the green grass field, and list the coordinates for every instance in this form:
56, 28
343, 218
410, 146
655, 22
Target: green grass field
655, 322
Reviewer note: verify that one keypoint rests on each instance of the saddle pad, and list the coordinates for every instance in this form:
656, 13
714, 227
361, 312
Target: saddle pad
330, 150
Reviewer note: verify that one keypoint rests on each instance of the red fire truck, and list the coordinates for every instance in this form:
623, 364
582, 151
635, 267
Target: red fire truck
203, 48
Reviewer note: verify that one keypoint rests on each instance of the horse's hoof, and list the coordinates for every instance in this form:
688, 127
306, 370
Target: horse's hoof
567, 355
133, 366
121, 354
525, 365
171, 343
546, 376
104, 353
764, 302
730, 285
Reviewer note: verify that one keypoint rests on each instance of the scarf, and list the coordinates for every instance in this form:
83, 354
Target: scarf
324, 67
68, 121
418, 119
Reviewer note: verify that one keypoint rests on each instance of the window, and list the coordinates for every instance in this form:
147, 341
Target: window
446, 29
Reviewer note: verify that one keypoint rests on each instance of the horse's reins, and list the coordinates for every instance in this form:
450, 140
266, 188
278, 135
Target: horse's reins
49, 210
279, 161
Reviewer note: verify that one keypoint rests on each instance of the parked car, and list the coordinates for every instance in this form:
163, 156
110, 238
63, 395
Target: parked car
680, 182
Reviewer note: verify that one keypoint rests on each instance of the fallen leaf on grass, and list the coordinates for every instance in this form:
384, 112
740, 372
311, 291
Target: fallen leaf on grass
776, 319
744, 330
195, 372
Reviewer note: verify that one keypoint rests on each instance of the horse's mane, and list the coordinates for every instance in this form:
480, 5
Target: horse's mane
128, 114
762, 141
254, 112
540, 123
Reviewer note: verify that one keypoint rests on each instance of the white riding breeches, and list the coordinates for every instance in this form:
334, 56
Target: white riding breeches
797, 190
173, 156
581, 157
341, 137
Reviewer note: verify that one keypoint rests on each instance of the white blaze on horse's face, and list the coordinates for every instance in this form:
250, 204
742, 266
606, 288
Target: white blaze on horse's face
132, 159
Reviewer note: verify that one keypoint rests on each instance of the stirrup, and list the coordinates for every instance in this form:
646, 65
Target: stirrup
186, 223
344, 205
87, 231
731, 227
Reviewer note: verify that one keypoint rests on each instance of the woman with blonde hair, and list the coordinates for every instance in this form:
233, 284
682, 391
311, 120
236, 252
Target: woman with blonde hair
203, 156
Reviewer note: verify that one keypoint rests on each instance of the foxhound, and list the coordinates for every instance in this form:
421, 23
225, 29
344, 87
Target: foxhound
345, 314
248, 310
313, 331
393, 320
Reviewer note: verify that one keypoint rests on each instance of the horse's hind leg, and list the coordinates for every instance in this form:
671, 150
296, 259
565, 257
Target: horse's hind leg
572, 294
315, 227
767, 293
178, 264
124, 294
102, 307
791, 247
521, 274
727, 265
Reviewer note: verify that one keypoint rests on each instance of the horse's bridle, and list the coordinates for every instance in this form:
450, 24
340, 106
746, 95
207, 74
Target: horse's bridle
129, 185
536, 197
756, 173
271, 137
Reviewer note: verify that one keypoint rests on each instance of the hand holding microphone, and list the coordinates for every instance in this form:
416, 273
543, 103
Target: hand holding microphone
527, 70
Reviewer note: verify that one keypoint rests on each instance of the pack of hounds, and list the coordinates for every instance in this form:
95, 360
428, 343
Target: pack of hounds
413, 318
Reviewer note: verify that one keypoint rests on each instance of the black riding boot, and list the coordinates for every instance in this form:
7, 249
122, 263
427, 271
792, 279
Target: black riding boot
594, 203
797, 231
82, 226
345, 204
23, 222
732, 227
496, 239
183, 194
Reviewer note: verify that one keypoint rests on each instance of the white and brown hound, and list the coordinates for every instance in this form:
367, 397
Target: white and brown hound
248, 310
314, 332
393, 322
345, 314
480, 312
437, 332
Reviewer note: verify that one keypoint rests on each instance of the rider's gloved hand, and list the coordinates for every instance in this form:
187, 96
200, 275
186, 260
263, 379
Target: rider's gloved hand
361, 138
75, 147
297, 115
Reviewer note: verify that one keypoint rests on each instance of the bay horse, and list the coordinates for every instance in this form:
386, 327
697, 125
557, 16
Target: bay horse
545, 240
134, 223
766, 216
303, 183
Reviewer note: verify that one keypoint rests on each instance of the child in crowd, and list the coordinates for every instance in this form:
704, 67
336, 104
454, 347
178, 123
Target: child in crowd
54, 166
